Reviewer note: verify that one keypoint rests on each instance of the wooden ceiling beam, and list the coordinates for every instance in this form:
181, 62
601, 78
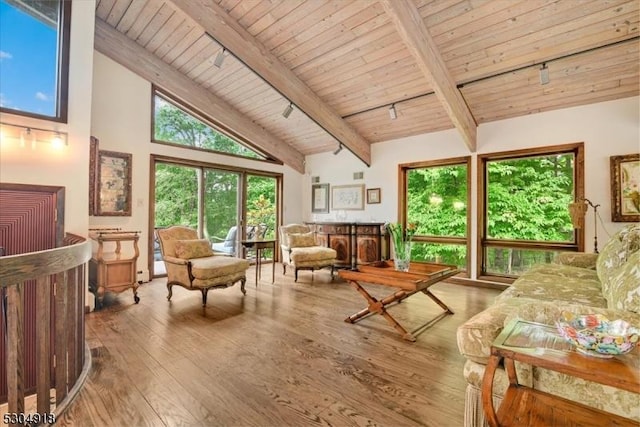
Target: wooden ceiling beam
131, 55
408, 22
228, 32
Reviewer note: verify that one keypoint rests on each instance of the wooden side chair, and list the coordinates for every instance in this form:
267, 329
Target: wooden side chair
192, 264
301, 251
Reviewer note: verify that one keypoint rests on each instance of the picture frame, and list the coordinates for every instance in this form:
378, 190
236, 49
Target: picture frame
93, 161
347, 197
113, 184
320, 198
373, 196
625, 188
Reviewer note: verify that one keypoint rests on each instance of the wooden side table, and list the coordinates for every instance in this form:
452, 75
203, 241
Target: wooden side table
111, 270
540, 345
260, 245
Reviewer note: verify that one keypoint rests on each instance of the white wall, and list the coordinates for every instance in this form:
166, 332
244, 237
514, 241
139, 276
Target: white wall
121, 121
607, 129
67, 167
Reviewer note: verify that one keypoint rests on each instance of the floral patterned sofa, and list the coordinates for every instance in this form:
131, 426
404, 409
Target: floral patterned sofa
607, 283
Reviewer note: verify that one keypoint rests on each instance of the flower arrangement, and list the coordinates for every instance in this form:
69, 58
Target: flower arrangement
401, 243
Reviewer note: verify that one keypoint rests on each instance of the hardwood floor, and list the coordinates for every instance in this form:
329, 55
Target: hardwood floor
280, 356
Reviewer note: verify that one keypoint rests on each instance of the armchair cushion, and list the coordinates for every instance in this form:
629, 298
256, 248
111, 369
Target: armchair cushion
205, 268
193, 248
299, 256
301, 240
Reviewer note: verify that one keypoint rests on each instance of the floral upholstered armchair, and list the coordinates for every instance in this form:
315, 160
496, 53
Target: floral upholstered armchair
191, 263
300, 250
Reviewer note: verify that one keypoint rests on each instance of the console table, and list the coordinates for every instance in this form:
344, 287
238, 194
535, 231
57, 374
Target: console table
355, 242
112, 270
540, 345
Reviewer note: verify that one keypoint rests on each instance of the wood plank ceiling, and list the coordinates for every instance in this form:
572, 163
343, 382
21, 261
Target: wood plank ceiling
344, 63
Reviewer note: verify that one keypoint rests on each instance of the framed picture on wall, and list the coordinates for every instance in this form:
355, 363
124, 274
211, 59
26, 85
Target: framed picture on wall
347, 197
373, 196
113, 184
93, 162
320, 198
625, 188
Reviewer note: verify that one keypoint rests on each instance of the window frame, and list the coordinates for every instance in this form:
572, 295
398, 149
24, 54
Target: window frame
218, 127
483, 243
62, 70
403, 186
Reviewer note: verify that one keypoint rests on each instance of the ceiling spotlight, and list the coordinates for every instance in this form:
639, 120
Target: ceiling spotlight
544, 74
392, 112
339, 149
287, 111
220, 58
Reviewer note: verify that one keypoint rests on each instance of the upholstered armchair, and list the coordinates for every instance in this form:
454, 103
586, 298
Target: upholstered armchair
192, 264
300, 250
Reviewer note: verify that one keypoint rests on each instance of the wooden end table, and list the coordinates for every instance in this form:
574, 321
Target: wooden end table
419, 278
541, 345
259, 245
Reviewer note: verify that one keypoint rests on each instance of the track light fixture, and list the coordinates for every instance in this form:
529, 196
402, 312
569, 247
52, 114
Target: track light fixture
287, 111
392, 112
339, 149
220, 58
544, 74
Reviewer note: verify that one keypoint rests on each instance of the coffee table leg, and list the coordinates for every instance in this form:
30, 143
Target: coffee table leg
376, 306
437, 301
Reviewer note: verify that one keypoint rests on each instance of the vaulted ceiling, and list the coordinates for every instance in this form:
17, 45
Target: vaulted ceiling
343, 63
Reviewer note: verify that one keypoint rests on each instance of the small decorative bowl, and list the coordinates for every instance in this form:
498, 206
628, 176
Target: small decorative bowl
595, 335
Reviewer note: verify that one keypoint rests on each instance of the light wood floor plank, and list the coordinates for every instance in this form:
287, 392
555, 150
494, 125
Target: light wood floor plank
281, 355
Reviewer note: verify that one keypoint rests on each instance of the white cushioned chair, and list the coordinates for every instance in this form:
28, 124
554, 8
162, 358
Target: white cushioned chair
301, 251
192, 264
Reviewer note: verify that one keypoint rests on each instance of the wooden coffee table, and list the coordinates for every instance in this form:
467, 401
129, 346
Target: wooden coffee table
419, 278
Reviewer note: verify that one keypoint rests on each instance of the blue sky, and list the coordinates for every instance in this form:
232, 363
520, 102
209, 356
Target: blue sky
27, 62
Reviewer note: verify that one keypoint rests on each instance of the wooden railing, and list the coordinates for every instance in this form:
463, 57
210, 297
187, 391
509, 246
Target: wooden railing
61, 358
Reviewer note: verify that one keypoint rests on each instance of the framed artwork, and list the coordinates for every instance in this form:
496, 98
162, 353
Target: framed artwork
373, 196
625, 188
93, 161
113, 184
347, 197
320, 198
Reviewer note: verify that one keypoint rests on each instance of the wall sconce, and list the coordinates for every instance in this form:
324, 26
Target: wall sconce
32, 135
577, 211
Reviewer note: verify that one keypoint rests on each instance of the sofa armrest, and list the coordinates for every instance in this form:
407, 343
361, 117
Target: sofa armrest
577, 259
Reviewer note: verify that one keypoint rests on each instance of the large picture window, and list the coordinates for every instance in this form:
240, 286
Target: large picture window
435, 197
524, 219
34, 58
175, 124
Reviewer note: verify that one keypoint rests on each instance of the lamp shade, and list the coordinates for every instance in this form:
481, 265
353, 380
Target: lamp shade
577, 210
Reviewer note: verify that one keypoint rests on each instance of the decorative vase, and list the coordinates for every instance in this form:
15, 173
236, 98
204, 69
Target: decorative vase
402, 258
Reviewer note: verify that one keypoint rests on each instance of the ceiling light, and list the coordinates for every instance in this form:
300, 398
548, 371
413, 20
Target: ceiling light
220, 58
392, 112
287, 111
339, 149
544, 74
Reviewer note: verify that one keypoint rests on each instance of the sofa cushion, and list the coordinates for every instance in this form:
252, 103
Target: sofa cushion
624, 286
193, 248
203, 268
555, 282
577, 259
301, 240
616, 252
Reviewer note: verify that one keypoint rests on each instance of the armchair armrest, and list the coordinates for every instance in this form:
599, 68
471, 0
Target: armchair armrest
577, 259
174, 260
